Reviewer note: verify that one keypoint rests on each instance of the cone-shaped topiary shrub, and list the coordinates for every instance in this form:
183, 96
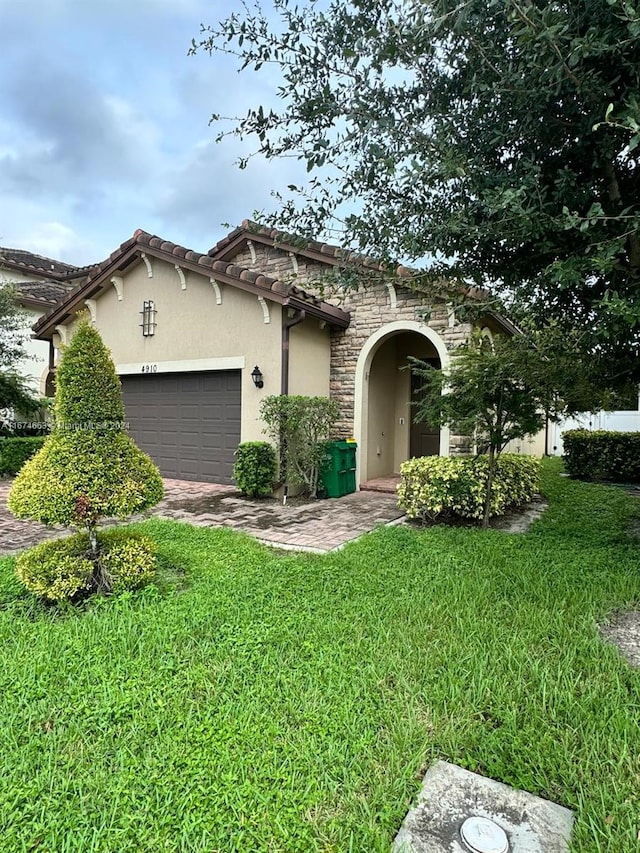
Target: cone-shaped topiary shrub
88, 468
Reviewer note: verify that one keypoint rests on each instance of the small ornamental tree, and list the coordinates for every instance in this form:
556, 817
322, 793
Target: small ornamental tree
504, 389
88, 468
299, 427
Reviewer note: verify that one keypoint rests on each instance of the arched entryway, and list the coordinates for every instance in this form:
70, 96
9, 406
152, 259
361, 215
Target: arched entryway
384, 427
48, 383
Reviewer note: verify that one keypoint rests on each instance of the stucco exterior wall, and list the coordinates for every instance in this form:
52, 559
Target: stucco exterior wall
532, 445
16, 276
36, 365
309, 359
192, 328
380, 447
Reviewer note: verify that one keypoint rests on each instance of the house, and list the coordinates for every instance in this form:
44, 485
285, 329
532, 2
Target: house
40, 283
187, 331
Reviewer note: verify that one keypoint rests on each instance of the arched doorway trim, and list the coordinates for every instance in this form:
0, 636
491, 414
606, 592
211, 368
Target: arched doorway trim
45, 382
363, 366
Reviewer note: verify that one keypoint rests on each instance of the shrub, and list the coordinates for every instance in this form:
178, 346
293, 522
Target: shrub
432, 486
255, 468
129, 559
602, 455
88, 467
14, 452
58, 570
300, 427
62, 570
77, 478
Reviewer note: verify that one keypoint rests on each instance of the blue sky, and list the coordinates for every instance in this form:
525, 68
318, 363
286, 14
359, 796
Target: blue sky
104, 127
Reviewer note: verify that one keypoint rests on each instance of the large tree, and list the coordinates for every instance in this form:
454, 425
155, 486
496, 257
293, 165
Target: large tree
15, 394
497, 139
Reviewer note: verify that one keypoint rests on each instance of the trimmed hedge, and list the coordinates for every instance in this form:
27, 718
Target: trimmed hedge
255, 468
88, 466
14, 452
440, 486
79, 477
62, 569
602, 455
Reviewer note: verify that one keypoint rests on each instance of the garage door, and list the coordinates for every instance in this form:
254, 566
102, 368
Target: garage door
189, 423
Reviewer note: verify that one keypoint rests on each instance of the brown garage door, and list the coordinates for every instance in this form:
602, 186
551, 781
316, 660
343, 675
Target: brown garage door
189, 423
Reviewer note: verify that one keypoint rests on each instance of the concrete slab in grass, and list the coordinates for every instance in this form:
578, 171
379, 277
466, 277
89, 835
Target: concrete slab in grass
450, 795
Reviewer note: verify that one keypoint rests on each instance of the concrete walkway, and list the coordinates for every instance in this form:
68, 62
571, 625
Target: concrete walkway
317, 526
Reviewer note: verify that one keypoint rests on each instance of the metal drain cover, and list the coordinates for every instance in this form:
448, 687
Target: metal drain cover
481, 835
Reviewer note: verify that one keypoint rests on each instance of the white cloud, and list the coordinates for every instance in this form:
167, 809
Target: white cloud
104, 127
209, 188
52, 239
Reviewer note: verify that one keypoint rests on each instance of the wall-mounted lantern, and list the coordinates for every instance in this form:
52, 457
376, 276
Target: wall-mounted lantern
148, 324
256, 375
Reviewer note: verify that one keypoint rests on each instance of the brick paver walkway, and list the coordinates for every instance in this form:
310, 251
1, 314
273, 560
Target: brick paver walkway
316, 526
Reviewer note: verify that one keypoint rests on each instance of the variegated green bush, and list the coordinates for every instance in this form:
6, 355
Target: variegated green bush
89, 467
57, 571
78, 478
128, 559
63, 569
434, 486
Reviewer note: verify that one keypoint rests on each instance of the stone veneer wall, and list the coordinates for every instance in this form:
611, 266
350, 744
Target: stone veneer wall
370, 309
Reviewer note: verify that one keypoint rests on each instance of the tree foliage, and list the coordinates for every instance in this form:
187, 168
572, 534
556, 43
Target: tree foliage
299, 428
501, 389
15, 394
497, 138
12, 323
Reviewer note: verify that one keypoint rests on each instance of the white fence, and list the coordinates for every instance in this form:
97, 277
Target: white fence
618, 421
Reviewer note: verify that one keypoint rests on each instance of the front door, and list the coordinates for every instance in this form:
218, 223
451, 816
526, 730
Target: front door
424, 439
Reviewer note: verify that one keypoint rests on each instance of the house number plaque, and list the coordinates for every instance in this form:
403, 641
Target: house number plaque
149, 368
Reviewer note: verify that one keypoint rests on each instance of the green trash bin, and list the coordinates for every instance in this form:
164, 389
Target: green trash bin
350, 467
338, 474
330, 472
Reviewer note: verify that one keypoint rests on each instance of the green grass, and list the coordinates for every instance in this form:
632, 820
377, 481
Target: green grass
279, 702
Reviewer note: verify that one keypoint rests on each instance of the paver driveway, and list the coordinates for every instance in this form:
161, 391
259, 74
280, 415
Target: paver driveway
317, 526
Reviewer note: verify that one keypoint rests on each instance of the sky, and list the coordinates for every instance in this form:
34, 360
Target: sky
104, 127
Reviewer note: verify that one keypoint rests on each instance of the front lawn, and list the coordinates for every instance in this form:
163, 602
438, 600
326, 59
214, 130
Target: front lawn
264, 701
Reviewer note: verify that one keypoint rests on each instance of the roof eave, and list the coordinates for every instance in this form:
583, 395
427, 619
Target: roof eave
45, 327
32, 302
505, 324
246, 235
333, 316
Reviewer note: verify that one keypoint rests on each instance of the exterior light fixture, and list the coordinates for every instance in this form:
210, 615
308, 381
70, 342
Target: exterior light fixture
148, 324
256, 375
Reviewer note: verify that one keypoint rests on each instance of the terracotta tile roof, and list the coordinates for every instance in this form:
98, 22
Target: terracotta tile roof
335, 255
47, 292
203, 263
21, 259
330, 254
324, 252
